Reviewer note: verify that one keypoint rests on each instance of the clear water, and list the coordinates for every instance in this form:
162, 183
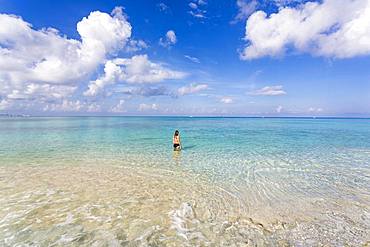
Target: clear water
115, 181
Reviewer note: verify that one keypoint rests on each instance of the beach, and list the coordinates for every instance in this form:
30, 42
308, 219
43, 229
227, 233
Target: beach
93, 181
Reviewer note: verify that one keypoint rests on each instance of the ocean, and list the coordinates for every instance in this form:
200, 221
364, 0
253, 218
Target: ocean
95, 181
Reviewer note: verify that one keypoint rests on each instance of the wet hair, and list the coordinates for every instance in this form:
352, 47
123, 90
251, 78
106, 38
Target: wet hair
176, 133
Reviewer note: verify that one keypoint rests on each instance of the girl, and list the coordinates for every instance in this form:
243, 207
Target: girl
176, 141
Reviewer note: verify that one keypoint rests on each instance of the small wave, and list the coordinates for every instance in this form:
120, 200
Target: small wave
179, 217
185, 223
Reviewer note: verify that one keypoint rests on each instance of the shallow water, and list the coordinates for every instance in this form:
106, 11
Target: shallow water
116, 181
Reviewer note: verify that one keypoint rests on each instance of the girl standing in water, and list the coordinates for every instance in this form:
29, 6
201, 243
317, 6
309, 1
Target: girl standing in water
176, 141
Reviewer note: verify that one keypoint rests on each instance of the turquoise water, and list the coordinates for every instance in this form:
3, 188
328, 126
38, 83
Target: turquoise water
311, 175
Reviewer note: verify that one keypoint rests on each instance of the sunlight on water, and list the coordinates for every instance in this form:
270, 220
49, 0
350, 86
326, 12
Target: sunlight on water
116, 181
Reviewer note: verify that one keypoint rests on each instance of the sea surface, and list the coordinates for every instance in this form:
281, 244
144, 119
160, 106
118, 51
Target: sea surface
116, 181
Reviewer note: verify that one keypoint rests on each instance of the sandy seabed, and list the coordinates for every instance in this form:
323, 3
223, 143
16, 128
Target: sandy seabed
94, 205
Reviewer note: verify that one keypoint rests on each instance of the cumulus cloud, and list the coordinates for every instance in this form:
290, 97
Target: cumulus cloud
145, 107
330, 28
45, 69
191, 89
227, 100
119, 108
102, 33
269, 91
138, 69
169, 40
43, 64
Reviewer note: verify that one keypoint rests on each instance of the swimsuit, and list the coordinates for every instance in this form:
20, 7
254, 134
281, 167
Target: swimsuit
176, 139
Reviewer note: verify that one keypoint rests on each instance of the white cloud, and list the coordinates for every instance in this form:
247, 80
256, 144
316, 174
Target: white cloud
163, 7
145, 107
315, 110
279, 109
93, 107
43, 64
269, 91
227, 100
193, 5
191, 89
43, 69
282, 3
112, 72
198, 14
138, 69
171, 36
169, 40
195, 9
193, 59
245, 9
102, 33
65, 106
120, 107
145, 91
332, 28
41, 92
4, 104
135, 45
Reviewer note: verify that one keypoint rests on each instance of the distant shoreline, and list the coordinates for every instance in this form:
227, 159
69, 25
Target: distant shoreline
182, 116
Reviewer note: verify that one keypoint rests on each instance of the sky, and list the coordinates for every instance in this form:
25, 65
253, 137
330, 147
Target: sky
185, 57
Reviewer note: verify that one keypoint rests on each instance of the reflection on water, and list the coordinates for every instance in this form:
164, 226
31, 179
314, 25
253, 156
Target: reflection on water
177, 157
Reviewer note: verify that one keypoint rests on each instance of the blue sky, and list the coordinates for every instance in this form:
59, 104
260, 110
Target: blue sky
196, 57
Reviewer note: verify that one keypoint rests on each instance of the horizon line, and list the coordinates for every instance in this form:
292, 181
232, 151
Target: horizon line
185, 116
